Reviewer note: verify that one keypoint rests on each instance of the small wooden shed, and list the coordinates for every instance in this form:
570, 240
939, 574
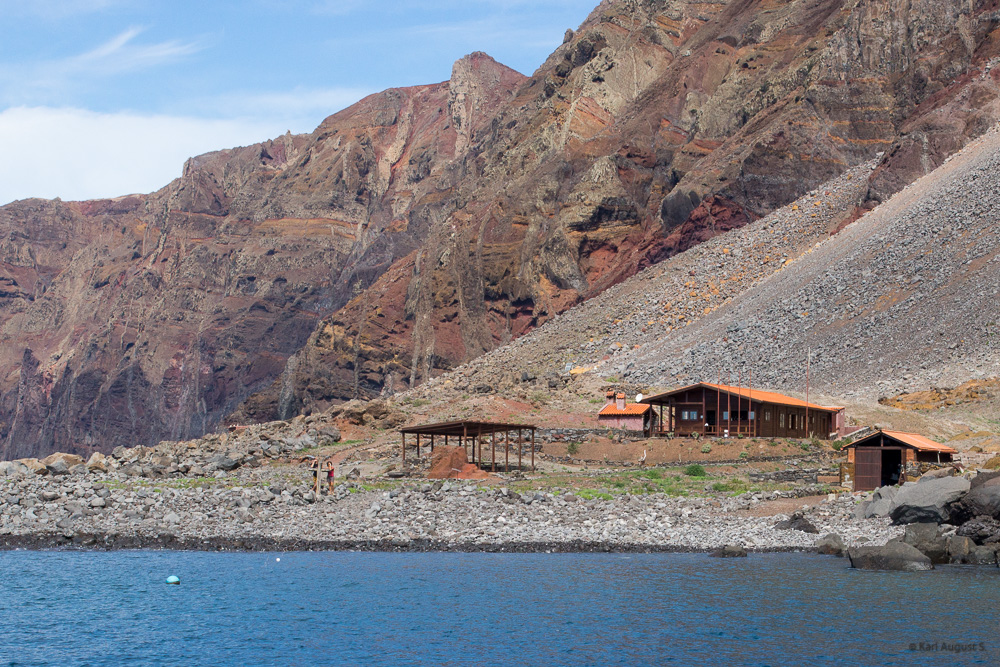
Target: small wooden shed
879, 459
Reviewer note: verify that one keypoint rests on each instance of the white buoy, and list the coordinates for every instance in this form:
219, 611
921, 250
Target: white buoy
277, 560
173, 580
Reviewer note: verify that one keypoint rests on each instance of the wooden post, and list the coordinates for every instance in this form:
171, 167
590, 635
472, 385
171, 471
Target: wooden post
739, 399
506, 451
465, 438
418, 445
729, 404
404, 448
703, 415
493, 450
718, 404
532, 450
520, 447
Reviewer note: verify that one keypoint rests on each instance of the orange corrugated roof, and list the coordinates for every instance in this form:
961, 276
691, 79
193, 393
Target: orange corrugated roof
752, 393
630, 409
914, 440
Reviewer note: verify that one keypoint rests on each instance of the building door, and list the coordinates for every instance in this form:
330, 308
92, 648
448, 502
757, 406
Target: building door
867, 468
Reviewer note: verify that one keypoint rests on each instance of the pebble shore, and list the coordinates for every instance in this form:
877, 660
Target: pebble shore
115, 511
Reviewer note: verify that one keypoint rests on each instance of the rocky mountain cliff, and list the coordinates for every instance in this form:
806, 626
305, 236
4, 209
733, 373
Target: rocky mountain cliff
654, 127
903, 299
425, 226
151, 317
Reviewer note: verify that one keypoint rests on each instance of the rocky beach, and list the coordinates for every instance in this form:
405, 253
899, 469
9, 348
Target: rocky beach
237, 503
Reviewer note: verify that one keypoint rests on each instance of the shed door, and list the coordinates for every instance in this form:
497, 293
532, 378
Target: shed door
867, 468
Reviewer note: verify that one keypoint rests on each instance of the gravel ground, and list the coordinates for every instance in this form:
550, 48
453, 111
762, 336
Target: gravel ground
114, 511
902, 299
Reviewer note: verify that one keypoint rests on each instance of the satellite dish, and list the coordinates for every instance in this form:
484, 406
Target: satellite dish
638, 398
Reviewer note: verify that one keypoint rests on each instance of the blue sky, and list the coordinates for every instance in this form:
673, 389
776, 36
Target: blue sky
100, 98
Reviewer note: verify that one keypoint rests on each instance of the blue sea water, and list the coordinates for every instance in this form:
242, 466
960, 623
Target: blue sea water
91, 608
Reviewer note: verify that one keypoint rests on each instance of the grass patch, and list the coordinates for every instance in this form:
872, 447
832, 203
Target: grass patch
590, 494
572, 448
695, 470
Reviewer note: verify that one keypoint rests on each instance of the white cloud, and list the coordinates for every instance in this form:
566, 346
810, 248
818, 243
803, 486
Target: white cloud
39, 82
121, 54
77, 154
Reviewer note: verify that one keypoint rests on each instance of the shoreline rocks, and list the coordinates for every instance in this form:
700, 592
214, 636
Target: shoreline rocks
259, 508
891, 556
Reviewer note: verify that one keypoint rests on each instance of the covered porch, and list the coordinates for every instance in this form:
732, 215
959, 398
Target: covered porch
473, 435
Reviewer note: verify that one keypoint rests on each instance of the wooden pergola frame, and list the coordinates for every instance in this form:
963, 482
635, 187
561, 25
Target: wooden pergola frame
470, 433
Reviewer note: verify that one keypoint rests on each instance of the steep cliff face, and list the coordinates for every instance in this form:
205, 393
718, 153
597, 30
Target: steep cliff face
656, 126
424, 226
151, 317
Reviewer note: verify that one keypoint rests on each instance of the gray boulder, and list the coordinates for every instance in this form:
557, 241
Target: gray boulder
881, 502
983, 555
986, 476
729, 551
983, 501
225, 463
892, 556
797, 522
330, 433
959, 548
13, 469
830, 544
57, 467
926, 537
928, 501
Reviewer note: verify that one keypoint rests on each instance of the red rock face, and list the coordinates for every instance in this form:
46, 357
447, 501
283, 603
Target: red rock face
424, 226
647, 132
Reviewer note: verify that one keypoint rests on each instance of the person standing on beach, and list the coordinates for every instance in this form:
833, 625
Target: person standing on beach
330, 468
314, 466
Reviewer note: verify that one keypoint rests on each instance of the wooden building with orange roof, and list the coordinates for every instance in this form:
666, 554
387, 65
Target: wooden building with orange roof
723, 410
881, 458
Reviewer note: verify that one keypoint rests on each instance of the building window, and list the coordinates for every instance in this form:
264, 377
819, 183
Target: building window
753, 415
781, 420
725, 415
767, 415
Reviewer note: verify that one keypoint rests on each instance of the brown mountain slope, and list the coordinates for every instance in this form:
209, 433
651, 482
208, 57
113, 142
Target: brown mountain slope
654, 127
150, 317
425, 226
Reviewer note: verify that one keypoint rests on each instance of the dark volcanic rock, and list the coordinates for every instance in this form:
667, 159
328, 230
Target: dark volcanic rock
983, 501
797, 522
729, 551
831, 545
927, 538
981, 530
891, 556
928, 501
